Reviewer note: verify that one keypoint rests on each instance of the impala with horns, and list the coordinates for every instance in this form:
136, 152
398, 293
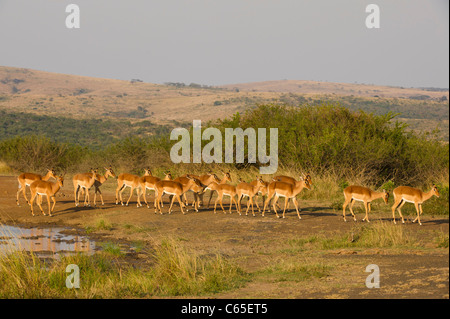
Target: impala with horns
148, 181
244, 189
286, 190
355, 193
406, 194
176, 189
45, 188
83, 181
25, 179
132, 181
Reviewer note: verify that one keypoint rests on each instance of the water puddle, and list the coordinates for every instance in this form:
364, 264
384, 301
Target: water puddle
45, 242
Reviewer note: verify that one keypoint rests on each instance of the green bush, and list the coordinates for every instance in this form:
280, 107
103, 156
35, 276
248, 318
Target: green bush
333, 138
36, 153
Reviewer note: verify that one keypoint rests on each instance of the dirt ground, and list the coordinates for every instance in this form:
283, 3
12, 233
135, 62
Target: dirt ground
255, 243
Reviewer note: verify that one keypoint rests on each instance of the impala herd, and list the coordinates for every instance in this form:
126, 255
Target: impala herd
280, 186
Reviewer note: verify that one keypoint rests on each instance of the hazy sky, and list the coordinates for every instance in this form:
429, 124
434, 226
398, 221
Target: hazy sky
232, 41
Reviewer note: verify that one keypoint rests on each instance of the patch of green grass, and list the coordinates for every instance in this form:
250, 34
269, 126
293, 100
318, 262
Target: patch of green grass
374, 235
133, 229
441, 240
100, 224
111, 248
175, 271
295, 271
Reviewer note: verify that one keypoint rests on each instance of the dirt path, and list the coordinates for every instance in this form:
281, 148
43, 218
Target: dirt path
255, 243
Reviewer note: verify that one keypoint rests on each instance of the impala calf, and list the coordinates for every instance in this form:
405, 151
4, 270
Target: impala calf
45, 188
25, 179
406, 194
362, 194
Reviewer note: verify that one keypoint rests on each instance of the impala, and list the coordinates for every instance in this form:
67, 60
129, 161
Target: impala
195, 189
25, 179
213, 185
148, 181
99, 182
286, 190
361, 194
206, 180
291, 180
248, 190
224, 189
406, 194
176, 189
262, 190
133, 182
83, 181
45, 188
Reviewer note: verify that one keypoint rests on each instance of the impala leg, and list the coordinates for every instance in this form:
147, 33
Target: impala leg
200, 199
33, 196
138, 194
239, 203
172, 199
87, 197
24, 193
367, 207
181, 203
344, 206
158, 203
21, 187
256, 202
235, 203
39, 202
400, 212
185, 200
393, 208
143, 189
101, 196
267, 202
215, 204
75, 194
274, 203
221, 204
296, 207
250, 202
54, 203
286, 202
418, 213
119, 188
352, 202
210, 196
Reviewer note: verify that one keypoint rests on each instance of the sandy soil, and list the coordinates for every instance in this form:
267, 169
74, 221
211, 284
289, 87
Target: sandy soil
257, 242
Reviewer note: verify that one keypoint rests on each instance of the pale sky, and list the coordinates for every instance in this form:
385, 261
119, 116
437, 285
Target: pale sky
218, 42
